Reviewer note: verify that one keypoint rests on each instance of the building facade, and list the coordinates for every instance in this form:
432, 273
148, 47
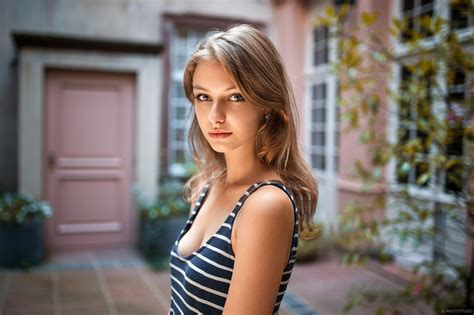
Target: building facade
92, 103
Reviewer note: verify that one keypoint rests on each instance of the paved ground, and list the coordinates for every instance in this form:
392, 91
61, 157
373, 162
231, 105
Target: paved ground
117, 282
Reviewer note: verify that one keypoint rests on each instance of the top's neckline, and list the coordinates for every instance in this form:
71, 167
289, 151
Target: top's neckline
198, 206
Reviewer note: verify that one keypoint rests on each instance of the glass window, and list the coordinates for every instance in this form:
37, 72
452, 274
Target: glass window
318, 126
183, 43
409, 129
412, 12
318, 161
460, 15
320, 46
458, 94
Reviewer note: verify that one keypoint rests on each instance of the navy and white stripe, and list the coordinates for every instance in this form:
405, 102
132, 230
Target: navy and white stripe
200, 282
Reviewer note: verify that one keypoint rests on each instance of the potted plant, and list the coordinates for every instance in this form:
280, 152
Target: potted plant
21, 229
162, 219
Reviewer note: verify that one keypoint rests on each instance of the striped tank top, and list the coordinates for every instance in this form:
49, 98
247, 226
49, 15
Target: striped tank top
200, 282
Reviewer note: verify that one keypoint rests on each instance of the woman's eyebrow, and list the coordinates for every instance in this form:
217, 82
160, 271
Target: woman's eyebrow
204, 89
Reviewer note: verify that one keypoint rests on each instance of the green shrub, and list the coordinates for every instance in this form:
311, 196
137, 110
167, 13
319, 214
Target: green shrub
20, 208
169, 203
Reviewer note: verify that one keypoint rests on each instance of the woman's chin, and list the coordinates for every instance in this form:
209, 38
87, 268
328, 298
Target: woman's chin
219, 147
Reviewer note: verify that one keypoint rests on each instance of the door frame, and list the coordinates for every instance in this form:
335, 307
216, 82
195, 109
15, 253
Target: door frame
33, 63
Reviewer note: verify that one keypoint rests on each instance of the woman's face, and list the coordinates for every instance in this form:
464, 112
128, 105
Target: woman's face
220, 106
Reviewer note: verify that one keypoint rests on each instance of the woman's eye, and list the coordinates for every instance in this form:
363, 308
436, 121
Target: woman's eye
201, 97
236, 98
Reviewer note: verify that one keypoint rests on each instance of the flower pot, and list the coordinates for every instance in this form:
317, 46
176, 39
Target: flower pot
158, 236
21, 245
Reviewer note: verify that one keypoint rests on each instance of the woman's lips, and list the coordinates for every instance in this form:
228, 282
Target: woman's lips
220, 135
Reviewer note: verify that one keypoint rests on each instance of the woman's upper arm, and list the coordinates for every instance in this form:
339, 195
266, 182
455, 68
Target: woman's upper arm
264, 234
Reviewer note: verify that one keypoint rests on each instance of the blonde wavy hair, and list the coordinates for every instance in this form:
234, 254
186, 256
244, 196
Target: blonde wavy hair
253, 63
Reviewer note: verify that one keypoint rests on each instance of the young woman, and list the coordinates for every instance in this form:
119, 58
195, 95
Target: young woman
253, 192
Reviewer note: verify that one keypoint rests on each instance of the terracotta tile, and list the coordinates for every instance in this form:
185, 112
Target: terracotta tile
86, 309
161, 281
29, 289
126, 284
139, 307
29, 310
78, 287
119, 254
326, 284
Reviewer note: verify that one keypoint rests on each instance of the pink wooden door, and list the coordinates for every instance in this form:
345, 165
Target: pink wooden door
88, 159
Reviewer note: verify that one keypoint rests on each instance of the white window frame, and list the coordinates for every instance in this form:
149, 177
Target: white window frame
314, 75
328, 204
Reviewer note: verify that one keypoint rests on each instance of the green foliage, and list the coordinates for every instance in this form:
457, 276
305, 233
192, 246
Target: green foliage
169, 203
432, 122
20, 208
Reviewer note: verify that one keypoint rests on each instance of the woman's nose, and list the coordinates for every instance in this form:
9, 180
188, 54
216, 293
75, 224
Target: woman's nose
217, 112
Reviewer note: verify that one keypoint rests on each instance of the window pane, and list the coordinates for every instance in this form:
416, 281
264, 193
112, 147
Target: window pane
319, 115
180, 90
407, 5
318, 138
456, 116
454, 179
457, 88
459, 16
181, 38
403, 135
318, 161
181, 112
180, 61
407, 33
336, 163
455, 141
320, 47
180, 134
180, 156
420, 169
413, 11
424, 31
319, 92
423, 136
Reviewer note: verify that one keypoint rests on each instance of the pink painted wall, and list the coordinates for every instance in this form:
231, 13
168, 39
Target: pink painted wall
350, 148
288, 22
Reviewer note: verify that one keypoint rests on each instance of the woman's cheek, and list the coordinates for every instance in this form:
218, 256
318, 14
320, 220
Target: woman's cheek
200, 115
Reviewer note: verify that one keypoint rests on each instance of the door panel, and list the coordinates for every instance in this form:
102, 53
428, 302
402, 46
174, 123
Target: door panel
88, 158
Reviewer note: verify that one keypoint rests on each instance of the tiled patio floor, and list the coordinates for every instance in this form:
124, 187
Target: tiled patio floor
117, 282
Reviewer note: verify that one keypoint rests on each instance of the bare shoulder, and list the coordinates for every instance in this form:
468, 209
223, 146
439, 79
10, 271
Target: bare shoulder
268, 209
270, 198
